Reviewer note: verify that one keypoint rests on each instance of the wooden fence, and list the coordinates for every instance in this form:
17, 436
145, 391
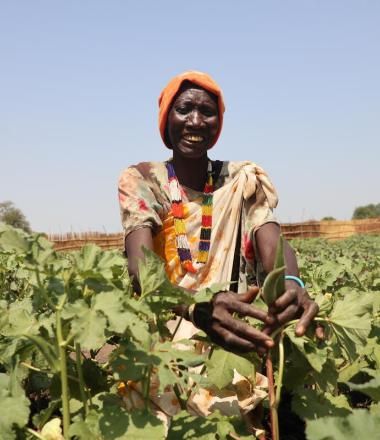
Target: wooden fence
331, 230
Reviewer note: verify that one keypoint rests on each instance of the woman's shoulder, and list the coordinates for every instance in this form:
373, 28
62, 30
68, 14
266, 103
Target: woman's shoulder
147, 171
232, 168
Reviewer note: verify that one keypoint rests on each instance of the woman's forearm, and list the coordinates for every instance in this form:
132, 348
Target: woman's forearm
267, 239
134, 244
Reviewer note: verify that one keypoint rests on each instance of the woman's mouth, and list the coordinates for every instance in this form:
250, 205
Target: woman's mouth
193, 138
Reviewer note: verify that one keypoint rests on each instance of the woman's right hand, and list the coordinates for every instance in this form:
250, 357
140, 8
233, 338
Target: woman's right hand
216, 319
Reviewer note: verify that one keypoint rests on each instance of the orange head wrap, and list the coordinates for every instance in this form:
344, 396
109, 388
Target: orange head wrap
168, 94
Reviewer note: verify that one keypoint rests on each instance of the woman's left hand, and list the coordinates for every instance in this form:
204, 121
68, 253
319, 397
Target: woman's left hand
294, 303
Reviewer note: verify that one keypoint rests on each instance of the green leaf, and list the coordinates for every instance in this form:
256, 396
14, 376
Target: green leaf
215, 426
351, 322
14, 411
108, 261
273, 285
14, 406
86, 429
112, 422
174, 361
309, 404
370, 388
221, 365
328, 377
13, 240
358, 425
42, 250
87, 324
115, 423
129, 363
87, 257
206, 294
138, 329
166, 297
351, 369
18, 319
316, 356
375, 409
47, 350
44, 415
111, 305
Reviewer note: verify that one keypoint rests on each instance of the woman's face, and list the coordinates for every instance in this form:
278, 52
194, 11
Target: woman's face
193, 122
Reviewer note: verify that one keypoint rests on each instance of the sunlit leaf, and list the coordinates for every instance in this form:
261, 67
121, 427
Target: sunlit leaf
309, 404
370, 388
358, 425
221, 365
351, 322
87, 324
14, 406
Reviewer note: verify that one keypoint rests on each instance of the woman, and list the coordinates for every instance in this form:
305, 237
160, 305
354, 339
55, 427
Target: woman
210, 221
239, 241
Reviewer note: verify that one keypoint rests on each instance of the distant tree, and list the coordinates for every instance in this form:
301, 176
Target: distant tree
13, 216
328, 218
367, 211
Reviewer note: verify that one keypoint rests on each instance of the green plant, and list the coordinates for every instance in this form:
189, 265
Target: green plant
59, 309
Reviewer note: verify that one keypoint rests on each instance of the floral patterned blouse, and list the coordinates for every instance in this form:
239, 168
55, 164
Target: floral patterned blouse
244, 199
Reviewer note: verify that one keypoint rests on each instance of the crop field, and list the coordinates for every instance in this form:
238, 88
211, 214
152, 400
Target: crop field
57, 381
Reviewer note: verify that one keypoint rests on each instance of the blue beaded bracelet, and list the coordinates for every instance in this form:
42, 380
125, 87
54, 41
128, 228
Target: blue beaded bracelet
296, 279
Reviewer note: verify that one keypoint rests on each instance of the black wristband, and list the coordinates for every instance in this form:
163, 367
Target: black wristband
202, 314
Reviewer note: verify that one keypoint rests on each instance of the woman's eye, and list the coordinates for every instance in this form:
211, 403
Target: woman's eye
208, 111
182, 110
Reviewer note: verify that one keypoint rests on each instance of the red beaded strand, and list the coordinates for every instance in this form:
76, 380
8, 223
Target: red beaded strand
182, 243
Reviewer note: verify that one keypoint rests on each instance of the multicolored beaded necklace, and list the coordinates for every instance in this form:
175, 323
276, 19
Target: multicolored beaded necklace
182, 243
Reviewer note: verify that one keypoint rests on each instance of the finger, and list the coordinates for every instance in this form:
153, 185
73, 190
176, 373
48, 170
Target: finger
229, 341
269, 329
310, 311
287, 315
228, 301
289, 297
244, 309
248, 332
248, 296
320, 333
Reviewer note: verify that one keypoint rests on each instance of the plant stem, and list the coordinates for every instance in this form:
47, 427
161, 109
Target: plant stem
203, 369
177, 393
63, 369
281, 362
66, 343
43, 291
147, 385
78, 363
30, 367
176, 328
35, 433
294, 321
272, 399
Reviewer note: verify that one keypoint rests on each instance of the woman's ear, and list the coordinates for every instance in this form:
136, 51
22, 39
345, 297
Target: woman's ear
167, 137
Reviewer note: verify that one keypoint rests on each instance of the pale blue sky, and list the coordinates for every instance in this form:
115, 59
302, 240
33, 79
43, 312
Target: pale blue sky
79, 82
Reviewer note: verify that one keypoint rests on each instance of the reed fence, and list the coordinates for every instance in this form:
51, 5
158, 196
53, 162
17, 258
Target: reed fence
331, 230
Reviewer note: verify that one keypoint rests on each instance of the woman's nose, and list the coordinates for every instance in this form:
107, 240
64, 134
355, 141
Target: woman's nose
195, 119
